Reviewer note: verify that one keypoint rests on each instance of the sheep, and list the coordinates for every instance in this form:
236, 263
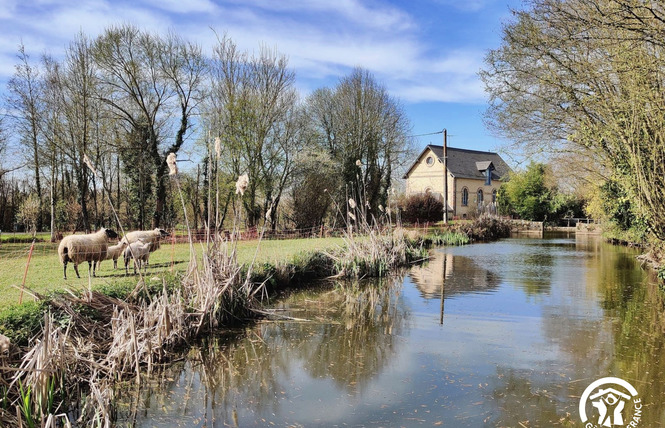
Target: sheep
152, 236
91, 247
114, 252
140, 252
5, 344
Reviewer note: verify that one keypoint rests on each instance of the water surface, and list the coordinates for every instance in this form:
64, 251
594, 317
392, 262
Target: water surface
514, 335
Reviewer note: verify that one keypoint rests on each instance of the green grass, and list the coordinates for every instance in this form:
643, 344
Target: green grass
45, 271
24, 237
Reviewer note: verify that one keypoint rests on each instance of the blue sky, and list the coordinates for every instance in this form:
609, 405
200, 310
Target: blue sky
426, 52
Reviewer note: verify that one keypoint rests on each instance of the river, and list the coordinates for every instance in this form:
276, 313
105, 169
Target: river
513, 337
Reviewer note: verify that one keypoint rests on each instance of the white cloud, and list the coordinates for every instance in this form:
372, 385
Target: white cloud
322, 39
466, 5
380, 16
8, 8
183, 6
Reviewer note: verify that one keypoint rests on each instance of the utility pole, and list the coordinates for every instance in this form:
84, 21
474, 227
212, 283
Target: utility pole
445, 176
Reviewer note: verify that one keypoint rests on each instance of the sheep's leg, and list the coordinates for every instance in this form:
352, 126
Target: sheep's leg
95, 265
76, 269
65, 269
115, 264
90, 271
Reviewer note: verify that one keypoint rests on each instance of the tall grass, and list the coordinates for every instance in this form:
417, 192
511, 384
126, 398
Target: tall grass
448, 238
372, 247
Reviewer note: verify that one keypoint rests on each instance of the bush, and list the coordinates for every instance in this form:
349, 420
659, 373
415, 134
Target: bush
422, 208
486, 228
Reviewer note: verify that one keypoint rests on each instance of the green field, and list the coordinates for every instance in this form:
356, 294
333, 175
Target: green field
45, 271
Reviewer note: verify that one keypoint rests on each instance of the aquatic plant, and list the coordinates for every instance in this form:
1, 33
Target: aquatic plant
448, 237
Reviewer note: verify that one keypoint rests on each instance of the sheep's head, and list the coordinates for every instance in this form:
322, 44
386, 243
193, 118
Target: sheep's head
110, 233
162, 233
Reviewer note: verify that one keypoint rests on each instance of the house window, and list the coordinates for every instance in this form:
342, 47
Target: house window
465, 196
480, 196
488, 177
494, 196
429, 161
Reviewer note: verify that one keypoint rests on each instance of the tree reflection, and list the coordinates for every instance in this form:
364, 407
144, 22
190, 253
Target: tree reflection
355, 349
349, 338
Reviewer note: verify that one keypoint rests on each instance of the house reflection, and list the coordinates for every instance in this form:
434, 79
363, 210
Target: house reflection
463, 276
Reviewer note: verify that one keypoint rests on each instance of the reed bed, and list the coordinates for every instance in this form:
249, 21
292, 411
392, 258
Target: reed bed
91, 340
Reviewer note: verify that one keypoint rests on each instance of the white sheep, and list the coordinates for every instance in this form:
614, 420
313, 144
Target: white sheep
5, 344
140, 252
89, 248
114, 252
153, 236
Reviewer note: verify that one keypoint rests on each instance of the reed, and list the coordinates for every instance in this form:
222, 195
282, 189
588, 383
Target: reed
373, 247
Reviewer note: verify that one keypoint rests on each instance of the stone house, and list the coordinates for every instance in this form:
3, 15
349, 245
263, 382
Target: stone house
474, 177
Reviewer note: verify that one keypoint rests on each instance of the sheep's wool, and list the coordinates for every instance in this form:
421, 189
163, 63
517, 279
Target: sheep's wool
4, 343
170, 161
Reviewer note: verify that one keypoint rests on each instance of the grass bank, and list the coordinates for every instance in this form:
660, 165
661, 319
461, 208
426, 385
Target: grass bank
44, 274
86, 339
72, 346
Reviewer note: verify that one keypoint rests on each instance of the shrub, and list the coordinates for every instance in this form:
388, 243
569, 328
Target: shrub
486, 228
422, 208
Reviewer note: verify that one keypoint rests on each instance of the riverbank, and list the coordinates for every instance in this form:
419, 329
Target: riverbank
491, 347
91, 338
119, 330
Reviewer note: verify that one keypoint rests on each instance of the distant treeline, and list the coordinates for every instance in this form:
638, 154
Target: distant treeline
129, 97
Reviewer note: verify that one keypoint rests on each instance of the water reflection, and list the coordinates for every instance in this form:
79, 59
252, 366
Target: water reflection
342, 338
529, 324
463, 275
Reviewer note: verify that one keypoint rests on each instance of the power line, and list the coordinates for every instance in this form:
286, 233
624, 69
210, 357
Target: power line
424, 135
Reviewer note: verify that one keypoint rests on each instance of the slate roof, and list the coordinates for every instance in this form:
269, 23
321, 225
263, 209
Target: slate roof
465, 163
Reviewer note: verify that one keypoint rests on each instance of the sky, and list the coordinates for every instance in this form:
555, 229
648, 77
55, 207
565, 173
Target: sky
427, 53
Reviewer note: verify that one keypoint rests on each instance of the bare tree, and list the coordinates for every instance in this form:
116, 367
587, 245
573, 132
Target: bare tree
147, 80
586, 76
74, 116
25, 102
252, 110
365, 132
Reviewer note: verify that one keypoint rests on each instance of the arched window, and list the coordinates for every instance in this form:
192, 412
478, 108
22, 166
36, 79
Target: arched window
494, 196
480, 196
465, 196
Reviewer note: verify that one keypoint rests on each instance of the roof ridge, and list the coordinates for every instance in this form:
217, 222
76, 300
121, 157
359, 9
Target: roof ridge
462, 150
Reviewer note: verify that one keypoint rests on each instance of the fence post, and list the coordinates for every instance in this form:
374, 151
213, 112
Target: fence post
25, 274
